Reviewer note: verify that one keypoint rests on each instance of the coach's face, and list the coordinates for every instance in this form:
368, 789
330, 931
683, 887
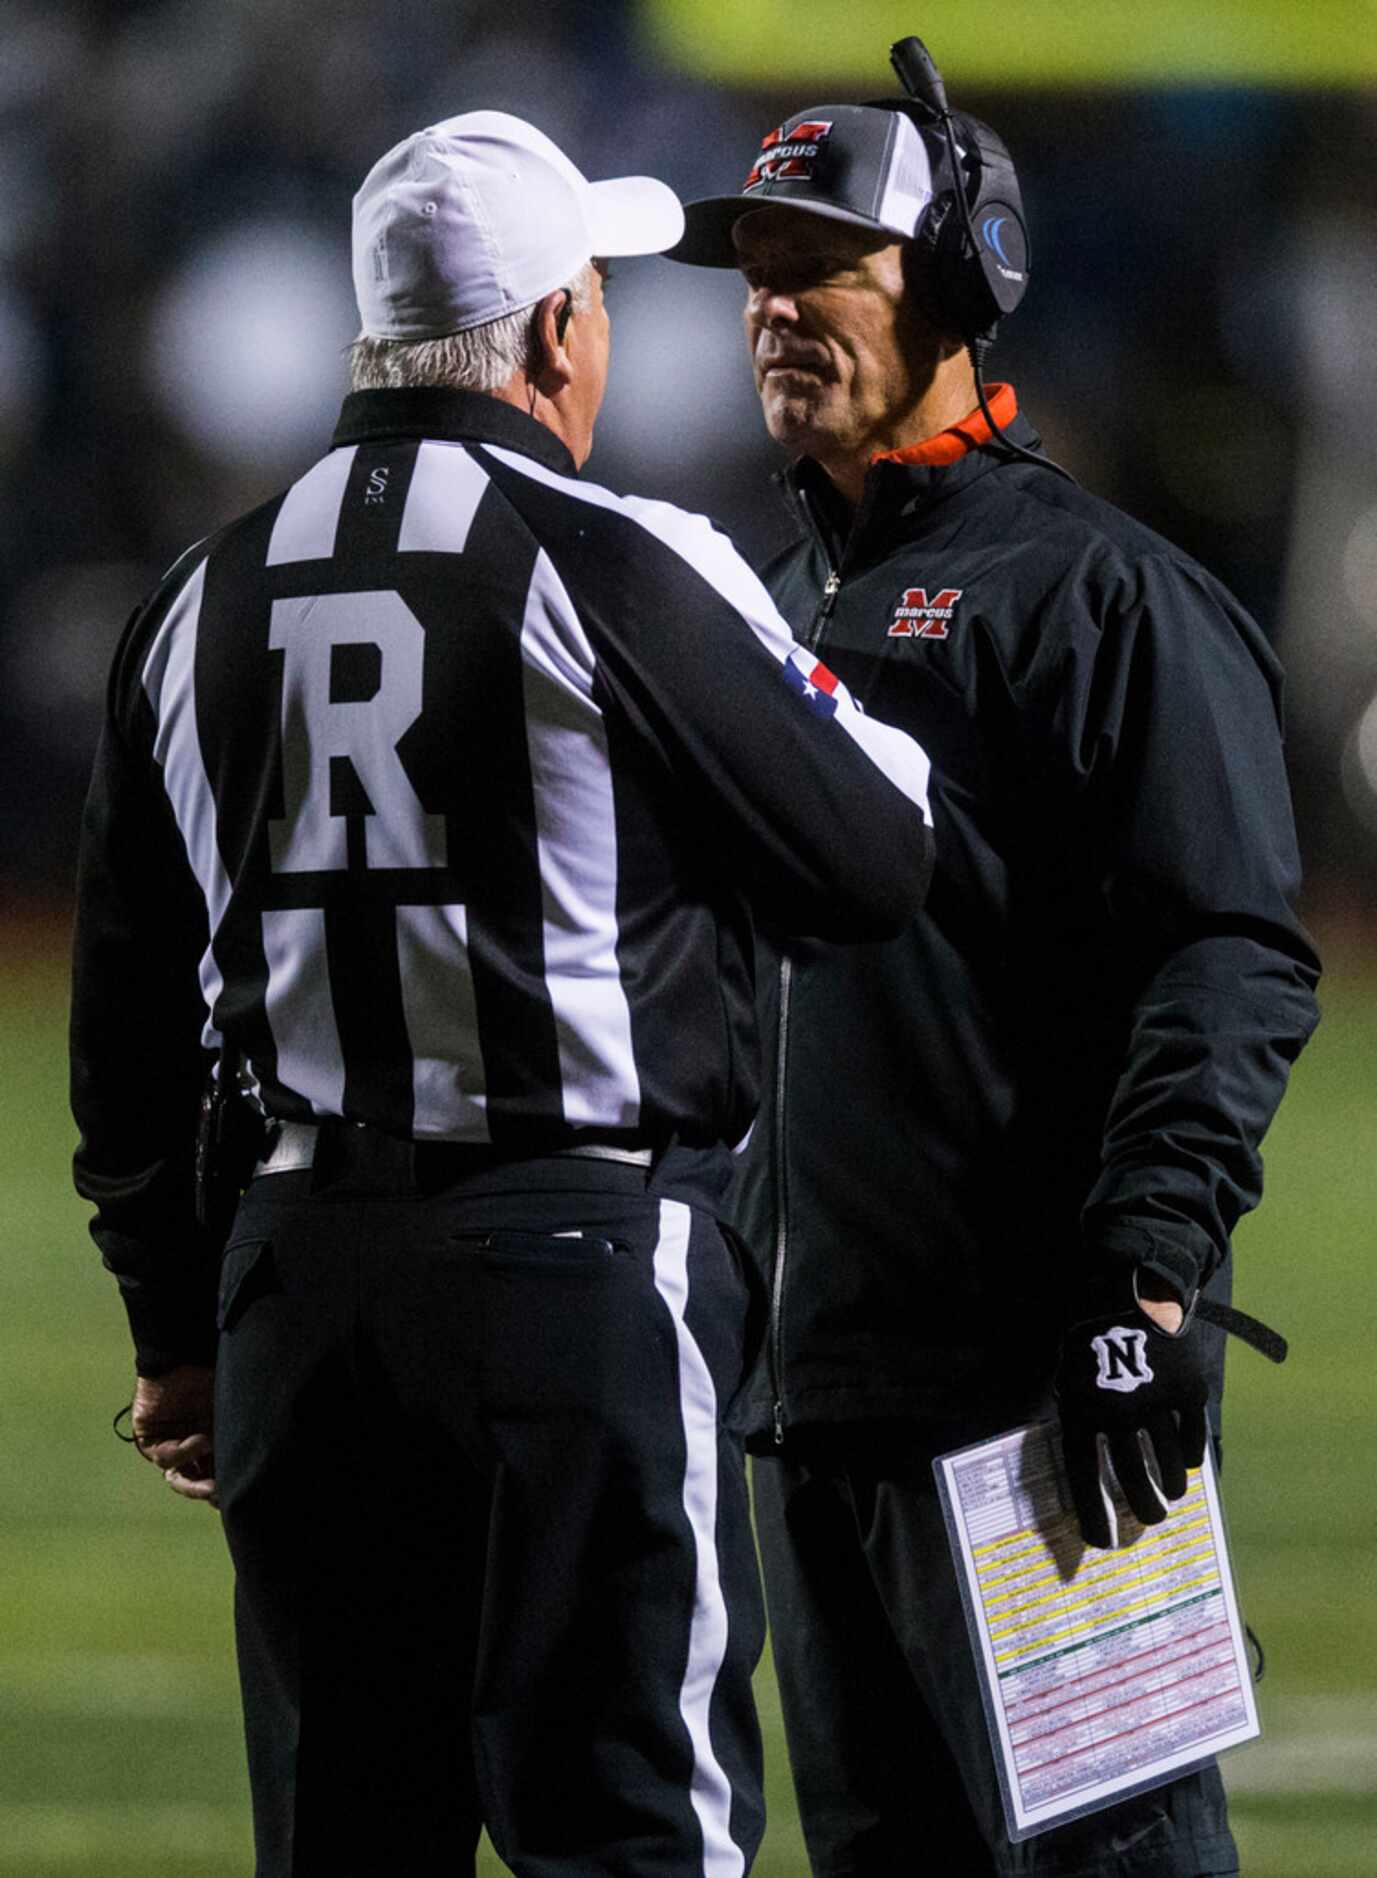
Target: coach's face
840, 353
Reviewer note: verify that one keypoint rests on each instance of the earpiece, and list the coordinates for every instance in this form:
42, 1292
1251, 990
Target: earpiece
563, 316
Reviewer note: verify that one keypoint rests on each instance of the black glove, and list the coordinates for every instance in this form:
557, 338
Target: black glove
1144, 1389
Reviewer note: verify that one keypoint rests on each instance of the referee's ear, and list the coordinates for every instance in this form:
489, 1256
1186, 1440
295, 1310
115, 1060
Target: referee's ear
551, 367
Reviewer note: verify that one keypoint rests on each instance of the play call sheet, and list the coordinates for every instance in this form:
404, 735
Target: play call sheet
1104, 1673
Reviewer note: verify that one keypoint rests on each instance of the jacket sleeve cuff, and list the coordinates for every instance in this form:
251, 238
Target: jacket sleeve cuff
1118, 1253
171, 1326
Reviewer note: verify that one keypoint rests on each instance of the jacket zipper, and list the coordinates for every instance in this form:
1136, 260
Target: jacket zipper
786, 977
786, 974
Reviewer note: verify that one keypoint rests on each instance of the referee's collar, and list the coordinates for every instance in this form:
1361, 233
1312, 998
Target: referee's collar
454, 416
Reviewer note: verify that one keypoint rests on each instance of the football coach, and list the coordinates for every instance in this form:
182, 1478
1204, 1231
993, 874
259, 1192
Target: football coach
1015, 1140
435, 803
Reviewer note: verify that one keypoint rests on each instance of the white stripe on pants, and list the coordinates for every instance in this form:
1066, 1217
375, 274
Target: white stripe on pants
711, 1791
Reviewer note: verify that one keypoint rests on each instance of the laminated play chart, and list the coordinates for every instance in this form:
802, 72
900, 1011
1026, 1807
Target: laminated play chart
1103, 1673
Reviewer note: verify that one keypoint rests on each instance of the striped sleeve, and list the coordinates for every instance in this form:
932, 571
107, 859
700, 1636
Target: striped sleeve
138, 1012
710, 553
818, 812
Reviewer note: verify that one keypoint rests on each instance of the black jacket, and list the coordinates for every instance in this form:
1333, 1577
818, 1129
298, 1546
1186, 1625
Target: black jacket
1065, 1066
443, 788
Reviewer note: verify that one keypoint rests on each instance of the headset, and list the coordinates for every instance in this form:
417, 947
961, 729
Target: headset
975, 234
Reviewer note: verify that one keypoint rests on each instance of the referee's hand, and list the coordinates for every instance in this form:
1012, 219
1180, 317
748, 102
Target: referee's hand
173, 1421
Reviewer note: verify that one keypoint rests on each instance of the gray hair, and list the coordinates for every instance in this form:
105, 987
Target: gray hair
481, 359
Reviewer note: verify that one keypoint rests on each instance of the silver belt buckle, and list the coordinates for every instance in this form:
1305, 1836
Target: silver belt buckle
294, 1148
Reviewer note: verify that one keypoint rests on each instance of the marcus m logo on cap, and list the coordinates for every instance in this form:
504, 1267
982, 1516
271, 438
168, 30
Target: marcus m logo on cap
788, 159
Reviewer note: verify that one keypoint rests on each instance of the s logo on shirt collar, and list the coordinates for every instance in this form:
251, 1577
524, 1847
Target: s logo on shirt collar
918, 617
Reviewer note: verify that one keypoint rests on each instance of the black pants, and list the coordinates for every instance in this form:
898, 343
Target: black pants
887, 1737
493, 1557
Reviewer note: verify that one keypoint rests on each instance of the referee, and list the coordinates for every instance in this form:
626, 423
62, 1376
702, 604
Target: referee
434, 805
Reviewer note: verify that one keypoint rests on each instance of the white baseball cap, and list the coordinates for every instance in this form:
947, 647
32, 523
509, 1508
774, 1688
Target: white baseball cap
482, 215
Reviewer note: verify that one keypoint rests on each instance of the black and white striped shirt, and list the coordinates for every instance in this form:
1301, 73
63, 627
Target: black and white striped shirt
446, 784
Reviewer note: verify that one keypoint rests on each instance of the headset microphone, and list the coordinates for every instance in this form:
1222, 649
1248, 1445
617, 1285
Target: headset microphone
918, 75
981, 273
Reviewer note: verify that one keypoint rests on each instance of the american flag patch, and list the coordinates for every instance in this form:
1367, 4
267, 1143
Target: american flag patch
810, 678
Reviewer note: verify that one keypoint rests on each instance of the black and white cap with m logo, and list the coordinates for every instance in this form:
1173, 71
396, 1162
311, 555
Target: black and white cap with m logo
852, 163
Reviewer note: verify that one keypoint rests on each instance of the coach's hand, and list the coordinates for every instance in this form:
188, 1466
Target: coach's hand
173, 1421
1137, 1377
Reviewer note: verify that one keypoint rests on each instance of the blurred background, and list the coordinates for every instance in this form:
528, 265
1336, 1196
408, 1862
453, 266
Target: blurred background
175, 180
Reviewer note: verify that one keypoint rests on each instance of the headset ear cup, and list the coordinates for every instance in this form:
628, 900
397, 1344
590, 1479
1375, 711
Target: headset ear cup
960, 293
931, 276
999, 266
975, 284
968, 286
964, 289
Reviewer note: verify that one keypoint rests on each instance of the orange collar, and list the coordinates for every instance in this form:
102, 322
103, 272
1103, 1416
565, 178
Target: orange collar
949, 445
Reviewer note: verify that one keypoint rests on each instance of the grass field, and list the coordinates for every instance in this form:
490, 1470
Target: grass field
119, 1728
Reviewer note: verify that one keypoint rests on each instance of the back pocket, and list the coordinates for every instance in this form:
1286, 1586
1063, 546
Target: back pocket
570, 1252
248, 1272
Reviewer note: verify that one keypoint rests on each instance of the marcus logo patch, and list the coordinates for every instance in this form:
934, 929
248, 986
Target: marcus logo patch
790, 159
1122, 1358
918, 617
